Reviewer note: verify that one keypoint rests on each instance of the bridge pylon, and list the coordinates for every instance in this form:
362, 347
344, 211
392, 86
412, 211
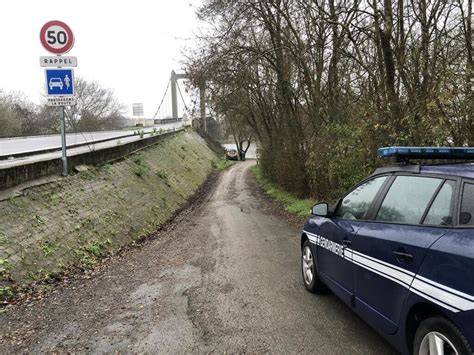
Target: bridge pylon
174, 97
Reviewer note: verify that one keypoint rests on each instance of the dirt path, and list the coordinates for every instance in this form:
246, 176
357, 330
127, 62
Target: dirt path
223, 277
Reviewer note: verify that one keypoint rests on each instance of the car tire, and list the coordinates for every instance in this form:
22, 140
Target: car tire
309, 270
441, 332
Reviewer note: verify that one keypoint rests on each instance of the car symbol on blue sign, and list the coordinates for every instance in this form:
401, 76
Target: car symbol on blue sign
59, 82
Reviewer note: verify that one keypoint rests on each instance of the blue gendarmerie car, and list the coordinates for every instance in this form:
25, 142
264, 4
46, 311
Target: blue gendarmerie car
399, 250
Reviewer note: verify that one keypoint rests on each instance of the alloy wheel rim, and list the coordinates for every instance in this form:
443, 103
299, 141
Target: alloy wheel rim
435, 343
307, 265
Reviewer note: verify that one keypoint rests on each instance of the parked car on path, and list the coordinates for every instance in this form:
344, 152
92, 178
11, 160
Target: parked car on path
231, 154
398, 248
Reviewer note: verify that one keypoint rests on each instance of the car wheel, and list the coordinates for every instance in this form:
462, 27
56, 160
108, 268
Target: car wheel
437, 335
309, 269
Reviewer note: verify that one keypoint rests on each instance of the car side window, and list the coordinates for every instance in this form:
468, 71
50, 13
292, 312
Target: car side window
407, 199
357, 203
467, 205
441, 210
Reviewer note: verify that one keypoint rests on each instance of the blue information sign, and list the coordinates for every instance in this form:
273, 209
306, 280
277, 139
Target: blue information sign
59, 82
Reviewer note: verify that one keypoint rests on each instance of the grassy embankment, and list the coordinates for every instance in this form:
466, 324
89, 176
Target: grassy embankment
292, 204
74, 221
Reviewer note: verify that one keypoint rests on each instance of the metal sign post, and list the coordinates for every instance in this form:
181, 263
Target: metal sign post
56, 37
63, 140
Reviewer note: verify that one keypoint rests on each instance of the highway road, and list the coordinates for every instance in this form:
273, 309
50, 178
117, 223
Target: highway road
35, 158
35, 144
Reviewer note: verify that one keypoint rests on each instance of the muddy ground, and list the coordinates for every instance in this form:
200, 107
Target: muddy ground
223, 276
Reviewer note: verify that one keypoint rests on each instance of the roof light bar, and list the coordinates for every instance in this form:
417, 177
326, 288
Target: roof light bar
426, 152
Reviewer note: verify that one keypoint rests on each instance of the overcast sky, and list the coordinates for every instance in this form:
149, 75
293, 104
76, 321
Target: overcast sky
129, 46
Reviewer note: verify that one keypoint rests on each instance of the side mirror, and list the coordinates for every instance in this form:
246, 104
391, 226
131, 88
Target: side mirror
320, 209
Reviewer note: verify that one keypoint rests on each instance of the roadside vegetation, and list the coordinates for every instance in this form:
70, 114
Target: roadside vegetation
222, 164
322, 85
291, 203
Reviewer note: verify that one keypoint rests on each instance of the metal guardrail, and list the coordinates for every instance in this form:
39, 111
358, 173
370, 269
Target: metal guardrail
77, 145
15, 172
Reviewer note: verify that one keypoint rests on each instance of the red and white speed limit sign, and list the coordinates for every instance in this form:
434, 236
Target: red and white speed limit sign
56, 37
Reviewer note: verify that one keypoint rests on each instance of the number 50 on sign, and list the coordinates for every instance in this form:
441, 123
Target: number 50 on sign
56, 37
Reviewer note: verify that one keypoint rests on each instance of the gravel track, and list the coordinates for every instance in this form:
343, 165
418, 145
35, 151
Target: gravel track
223, 276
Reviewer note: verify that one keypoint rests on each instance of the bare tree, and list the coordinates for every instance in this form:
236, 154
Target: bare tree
323, 83
97, 108
16, 114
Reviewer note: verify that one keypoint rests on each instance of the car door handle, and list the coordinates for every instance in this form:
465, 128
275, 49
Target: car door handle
346, 242
402, 256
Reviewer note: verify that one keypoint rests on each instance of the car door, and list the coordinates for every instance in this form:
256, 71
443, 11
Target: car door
446, 277
336, 234
414, 213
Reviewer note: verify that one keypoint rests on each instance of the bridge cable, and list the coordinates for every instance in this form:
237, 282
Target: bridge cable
164, 95
182, 99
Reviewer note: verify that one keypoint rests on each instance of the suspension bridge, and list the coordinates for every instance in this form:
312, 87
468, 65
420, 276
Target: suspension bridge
173, 104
